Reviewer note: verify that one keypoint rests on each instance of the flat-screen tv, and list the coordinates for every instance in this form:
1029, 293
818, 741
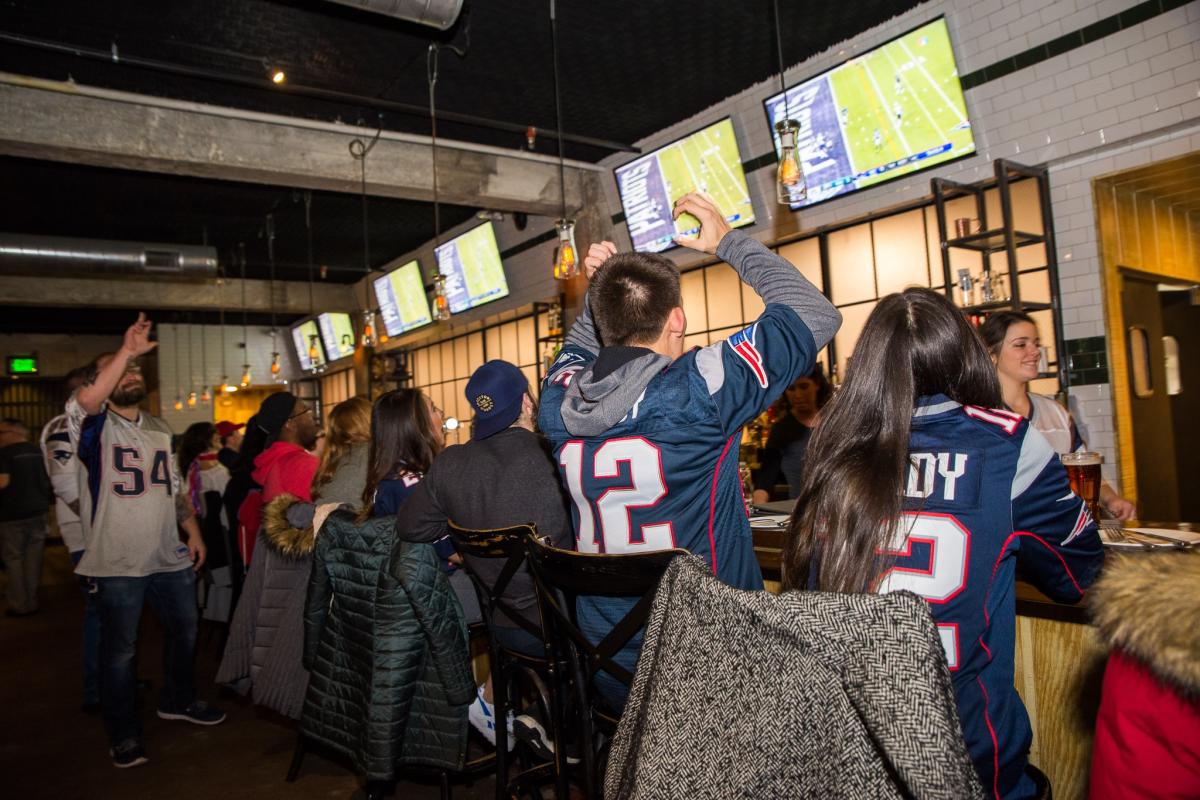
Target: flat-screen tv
471, 264
337, 332
301, 338
892, 111
403, 303
707, 160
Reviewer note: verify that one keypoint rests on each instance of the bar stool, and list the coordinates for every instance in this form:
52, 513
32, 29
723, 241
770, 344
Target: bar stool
511, 668
561, 576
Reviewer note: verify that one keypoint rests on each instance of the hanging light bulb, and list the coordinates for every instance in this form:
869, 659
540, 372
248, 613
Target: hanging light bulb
246, 377
226, 386
205, 397
368, 333
791, 188
179, 402
314, 354
191, 401
566, 255
275, 368
441, 306
383, 337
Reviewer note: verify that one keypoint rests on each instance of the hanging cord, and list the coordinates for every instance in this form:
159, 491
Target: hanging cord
562, 171
242, 262
271, 266
431, 72
221, 303
787, 114
312, 306
178, 393
191, 377
203, 361
359, 150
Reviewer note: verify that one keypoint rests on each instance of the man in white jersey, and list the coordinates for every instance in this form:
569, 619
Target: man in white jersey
62, 467
132, 505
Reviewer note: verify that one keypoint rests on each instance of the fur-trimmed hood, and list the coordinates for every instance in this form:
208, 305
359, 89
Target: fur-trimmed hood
1148, 606
280, 535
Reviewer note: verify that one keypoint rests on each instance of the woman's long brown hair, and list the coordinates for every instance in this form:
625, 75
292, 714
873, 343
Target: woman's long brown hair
349, 424
915, 343
402, 439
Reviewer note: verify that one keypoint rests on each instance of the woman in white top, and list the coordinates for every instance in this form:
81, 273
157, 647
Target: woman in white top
1012, 339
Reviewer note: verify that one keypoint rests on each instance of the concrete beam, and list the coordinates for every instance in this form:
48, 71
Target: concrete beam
61, 121
291, 297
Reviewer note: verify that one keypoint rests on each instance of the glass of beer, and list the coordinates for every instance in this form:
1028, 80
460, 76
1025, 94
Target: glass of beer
1083, 470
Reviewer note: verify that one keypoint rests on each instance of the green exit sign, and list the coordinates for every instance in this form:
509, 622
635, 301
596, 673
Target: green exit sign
22, 365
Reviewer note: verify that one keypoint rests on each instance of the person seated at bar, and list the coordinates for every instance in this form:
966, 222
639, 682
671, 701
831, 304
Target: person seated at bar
502, 477
788, 441
646, 435
917, 480
1012, 340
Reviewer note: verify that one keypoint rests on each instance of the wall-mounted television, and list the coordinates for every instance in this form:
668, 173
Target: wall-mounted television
471, 264
403, 303
301, 338
337, 332
892, 111
707, 160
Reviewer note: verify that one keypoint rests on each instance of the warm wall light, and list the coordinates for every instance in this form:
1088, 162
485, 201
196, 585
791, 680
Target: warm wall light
566, 255
278, 76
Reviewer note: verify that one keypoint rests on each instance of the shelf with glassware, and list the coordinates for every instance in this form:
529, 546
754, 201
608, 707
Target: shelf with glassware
993, 225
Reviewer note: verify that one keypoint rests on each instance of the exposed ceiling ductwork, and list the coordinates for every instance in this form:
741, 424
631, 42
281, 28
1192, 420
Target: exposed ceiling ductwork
61, 256
439, 14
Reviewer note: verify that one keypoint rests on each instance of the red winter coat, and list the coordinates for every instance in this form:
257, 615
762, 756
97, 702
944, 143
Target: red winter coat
1148, 731
283, 468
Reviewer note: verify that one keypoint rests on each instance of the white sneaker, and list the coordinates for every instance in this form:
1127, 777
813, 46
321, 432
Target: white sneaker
482, 716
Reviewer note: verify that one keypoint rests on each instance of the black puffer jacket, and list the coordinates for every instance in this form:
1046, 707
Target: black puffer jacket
386, 649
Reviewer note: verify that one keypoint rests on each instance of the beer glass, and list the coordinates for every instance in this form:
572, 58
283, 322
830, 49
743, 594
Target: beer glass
1083, 470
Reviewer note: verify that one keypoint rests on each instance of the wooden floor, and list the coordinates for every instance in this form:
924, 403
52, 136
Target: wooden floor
49, 748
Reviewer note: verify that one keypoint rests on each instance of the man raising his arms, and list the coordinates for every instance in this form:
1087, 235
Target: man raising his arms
646, 435
132, 506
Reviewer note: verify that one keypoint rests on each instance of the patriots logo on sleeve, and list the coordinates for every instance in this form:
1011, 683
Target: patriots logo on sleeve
742, 343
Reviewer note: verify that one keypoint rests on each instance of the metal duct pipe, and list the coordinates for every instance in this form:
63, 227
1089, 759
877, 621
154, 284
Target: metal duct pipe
439, 14
57, 255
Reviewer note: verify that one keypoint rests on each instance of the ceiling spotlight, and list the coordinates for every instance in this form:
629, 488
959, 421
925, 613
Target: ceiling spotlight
278, 76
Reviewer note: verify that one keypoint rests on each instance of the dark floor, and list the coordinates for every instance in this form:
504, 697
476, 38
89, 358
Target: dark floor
49, 748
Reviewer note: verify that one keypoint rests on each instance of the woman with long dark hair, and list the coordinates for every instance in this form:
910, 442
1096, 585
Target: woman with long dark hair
406, 434
916, 481
1012, 340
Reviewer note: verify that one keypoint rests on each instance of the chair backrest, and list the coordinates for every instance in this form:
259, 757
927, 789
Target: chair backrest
563, 575
499, 543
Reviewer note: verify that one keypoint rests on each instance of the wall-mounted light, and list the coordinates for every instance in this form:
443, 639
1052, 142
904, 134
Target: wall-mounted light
278, 76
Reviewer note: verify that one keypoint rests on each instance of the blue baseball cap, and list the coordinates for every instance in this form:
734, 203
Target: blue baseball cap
495, 391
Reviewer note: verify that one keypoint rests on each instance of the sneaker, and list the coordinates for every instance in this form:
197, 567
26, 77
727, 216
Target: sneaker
198, 713
482, 716
128, 753
529, 731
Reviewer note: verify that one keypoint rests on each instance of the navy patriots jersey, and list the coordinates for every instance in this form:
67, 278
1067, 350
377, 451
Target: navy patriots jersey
666, 475
984, 494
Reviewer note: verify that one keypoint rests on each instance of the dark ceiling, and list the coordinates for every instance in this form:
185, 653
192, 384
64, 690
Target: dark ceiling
628, 69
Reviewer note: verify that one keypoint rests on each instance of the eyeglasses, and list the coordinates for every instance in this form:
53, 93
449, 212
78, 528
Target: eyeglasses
300, 414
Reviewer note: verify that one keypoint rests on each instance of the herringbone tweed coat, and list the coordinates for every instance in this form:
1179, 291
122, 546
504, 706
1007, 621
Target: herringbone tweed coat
806, 694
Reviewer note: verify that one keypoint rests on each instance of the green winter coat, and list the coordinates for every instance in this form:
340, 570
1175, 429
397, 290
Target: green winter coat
386, 647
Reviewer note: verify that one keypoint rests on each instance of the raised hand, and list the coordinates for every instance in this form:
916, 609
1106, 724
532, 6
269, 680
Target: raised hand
137, 337
713, 226
597, 254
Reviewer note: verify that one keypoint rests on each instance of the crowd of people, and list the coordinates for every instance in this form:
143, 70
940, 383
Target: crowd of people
932, 469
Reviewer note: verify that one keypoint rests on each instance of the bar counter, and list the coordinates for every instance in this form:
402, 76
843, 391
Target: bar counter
1059, 669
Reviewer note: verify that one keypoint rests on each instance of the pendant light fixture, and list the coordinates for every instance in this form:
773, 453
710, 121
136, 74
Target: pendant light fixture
790, 186
441, 306
205, 395
246, 377
359, 150
314, 350
178, 394
276, 369
191, 398
566, 254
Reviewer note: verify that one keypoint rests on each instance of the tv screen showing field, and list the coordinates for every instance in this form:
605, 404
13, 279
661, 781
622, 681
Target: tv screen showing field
707, 161
403, 303
895, 110
301, 338
474, 273
337, 332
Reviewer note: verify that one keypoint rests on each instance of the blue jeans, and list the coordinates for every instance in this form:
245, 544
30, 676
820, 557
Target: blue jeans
172, 595
91, 636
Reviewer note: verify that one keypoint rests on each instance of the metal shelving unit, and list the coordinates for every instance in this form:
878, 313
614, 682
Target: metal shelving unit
1004, 238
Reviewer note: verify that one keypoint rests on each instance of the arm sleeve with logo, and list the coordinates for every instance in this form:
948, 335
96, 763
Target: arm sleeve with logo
1059, 550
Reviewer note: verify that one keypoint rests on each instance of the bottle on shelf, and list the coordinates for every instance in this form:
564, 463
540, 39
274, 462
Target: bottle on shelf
966, 288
